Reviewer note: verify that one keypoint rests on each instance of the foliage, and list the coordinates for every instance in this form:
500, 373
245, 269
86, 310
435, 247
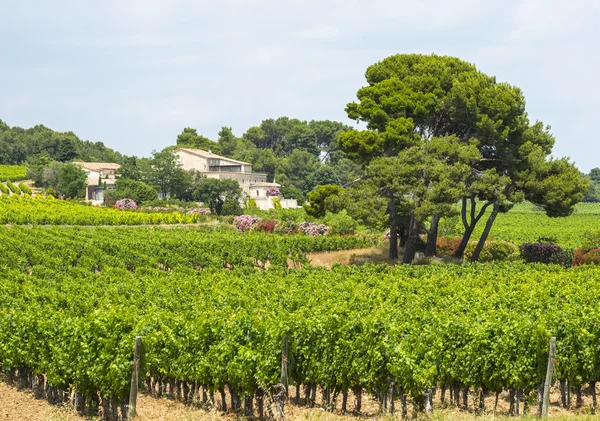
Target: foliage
139, 191
590, 239
340, 223
13, 188
126, 204
586, 257
543, 253
18, 146
49, 211
71, 181
245, 222
4, 190
486, 326
325, 198
310, 228
13, 172
216, 192
273, 191
25, 189
199, 211
493, 250
190, 138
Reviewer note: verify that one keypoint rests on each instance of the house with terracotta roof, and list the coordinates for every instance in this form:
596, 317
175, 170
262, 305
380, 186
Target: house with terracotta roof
253, 184
100, 176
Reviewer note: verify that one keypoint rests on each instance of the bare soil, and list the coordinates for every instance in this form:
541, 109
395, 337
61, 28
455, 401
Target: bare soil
21, 405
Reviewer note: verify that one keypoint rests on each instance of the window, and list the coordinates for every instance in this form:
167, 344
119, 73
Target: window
257, 193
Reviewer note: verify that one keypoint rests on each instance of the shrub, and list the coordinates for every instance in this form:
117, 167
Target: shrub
231, 207
245, 222
590, 240
276, 202
313, 229
494, 251
5, 191
265, 226
340, 223
138, 191
586, 257
273, 191
124, 204
542, 253
199, 211
286, 227
447, 246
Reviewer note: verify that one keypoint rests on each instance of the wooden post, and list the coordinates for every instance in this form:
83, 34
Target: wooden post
284, 364
548, 382
137, 350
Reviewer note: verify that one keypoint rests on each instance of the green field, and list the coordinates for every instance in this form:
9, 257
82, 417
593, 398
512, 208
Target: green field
13, 172
527, 223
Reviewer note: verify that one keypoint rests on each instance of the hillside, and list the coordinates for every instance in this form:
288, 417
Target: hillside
19, 146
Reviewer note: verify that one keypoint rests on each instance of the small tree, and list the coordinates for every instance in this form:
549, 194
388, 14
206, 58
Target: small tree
215, 192
72, 181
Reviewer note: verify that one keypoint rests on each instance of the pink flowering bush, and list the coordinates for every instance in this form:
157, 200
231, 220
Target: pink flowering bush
199, 211
273, 191
313, 229
124, 204
156, 209
245, 222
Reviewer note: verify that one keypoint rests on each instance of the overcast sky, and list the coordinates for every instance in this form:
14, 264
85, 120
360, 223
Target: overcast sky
134, 73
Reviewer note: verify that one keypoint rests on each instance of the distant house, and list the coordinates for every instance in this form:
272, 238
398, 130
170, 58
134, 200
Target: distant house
211, 165
100, 176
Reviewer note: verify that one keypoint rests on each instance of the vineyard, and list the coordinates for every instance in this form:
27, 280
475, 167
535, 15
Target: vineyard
526, 223
72, 301
49, 211
13, 172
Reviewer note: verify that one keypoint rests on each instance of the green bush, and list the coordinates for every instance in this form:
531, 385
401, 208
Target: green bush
590, 240
5, 191
139, 191
494, 251
340, 223
231, 207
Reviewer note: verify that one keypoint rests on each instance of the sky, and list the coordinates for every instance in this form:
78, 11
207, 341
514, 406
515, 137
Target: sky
134, 73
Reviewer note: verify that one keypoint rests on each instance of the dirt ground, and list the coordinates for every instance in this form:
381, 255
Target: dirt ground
21, 405
345, 257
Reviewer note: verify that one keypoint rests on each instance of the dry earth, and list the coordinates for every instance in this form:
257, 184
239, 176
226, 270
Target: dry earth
21, 405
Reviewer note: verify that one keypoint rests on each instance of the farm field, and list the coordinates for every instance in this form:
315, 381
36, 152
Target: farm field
526, 223
73, 299
13, 172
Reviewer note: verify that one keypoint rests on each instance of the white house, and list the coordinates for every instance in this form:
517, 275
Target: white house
254, 185
100, 175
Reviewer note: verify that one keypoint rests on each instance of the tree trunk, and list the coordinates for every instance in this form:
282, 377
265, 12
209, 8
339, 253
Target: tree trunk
411, 245
431, 247
484, 235
593, 393
344, 400
469, 226
358, 396
403, 405
466, 398
260, 402
579, 397
511, 401
443, 396
393, 218
563, 393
